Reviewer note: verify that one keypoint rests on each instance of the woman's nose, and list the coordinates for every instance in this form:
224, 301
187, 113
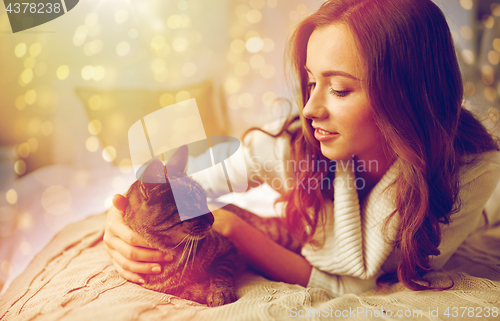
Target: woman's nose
315, 107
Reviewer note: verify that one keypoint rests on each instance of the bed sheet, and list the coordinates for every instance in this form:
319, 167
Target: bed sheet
73, 279
52, 197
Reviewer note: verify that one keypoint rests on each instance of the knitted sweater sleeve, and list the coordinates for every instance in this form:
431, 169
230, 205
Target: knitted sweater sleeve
477, 182
260, 159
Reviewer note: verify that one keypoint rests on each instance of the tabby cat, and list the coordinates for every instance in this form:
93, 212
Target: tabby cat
205, 263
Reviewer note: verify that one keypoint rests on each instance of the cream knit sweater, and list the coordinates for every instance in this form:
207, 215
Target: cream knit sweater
355, 251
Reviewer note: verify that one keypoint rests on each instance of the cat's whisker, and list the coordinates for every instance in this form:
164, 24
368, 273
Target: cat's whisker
190, 242
185, 237
190, 249
184, 250
194, 254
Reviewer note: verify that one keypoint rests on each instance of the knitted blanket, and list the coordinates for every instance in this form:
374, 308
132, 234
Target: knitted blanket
73, 279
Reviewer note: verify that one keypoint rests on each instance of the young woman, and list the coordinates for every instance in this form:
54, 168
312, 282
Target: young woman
381, 96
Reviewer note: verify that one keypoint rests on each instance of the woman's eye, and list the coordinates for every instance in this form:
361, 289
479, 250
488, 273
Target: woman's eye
311, 86
339, 93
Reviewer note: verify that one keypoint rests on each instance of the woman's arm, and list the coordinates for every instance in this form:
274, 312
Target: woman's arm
129, 253
266, 256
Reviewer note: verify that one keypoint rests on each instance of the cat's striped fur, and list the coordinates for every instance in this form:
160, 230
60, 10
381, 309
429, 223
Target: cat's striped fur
205, 263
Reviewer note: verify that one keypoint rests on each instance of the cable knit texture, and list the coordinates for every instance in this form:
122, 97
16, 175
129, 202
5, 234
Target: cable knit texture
73, 279
355, 249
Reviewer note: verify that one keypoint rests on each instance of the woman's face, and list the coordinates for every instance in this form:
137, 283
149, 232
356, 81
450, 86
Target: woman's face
338, 106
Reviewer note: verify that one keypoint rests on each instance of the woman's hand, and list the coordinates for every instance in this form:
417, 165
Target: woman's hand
129, 253
269, 258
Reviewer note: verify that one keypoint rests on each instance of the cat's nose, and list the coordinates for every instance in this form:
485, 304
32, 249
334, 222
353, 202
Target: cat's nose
209, 218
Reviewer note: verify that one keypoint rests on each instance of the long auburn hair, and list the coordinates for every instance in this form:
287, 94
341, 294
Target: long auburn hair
415, 88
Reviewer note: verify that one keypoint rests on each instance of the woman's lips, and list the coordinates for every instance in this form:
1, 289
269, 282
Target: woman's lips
323, 135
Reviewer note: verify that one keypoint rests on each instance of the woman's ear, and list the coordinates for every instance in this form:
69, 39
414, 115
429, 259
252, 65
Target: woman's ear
178, 162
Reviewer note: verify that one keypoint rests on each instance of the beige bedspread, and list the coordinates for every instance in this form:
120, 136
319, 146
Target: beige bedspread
73, 279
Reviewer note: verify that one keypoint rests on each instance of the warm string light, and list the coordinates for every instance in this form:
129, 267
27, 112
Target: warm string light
249, 55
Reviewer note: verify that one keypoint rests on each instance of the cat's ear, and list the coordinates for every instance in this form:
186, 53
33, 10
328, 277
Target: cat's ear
154, 173
178, 162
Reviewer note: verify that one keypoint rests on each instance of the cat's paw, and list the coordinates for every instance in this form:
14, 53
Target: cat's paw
219, 298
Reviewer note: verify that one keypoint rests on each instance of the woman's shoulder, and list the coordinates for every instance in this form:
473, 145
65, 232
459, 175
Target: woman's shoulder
485, 165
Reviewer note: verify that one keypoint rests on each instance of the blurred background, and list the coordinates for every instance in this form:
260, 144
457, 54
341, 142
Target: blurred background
71, 88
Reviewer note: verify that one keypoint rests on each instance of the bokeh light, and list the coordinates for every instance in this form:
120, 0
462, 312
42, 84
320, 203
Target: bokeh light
466, 4
23, 150
20, 167
27, 76
95, 102
493, 57
122, 49
94, 127
109, 153
490, 94
468, 57
62, 72
125, 166
268, 98
6, 267
25, 221
232, 85
25, 248
489, 22
35, 49
237, 46
245, 100
272, 3
88, 72
182, 96
180, 44
92, 144
33, 144
11, 196
254, 44
80, 35
254, 16
166, 99
20, 49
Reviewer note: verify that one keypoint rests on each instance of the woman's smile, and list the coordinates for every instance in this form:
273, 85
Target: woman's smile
323, 135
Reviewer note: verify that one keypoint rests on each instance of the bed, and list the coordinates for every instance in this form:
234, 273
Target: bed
72, 278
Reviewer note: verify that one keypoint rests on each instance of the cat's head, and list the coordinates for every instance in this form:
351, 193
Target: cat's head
163, 219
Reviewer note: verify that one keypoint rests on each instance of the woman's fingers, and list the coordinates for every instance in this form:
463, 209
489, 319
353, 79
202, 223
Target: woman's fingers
117, 226
134, 267
120, 202
129, 252
135, 253
127, 275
